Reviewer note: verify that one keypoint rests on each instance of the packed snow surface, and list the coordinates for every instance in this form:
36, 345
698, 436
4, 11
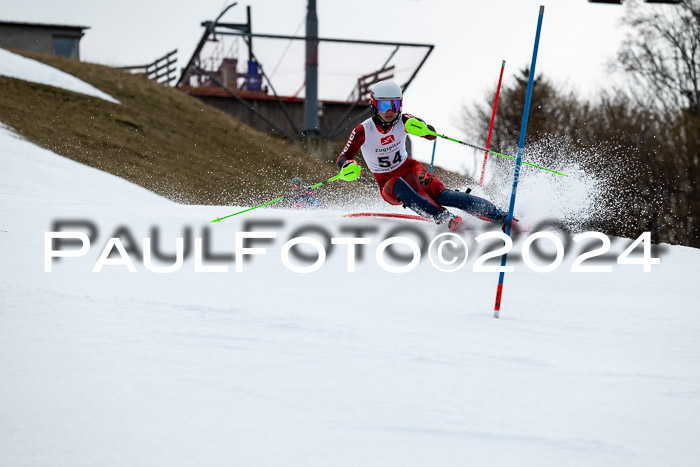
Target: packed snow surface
26, 69
270, 367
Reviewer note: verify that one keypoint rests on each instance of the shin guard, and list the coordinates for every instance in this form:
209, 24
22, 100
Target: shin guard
478, 207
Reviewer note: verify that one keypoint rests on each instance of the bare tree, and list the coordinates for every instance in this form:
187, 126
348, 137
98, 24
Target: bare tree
550, 114
650, 134
662, 54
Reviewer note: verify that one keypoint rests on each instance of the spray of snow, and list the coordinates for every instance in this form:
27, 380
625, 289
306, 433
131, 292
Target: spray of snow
595, 192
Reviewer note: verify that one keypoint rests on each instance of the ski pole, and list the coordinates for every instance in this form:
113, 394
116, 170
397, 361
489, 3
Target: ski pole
349, 173
433, 158
493, 117
418, 128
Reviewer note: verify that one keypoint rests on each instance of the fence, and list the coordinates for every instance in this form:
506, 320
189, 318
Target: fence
161, 70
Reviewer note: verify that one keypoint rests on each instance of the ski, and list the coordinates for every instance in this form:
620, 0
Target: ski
389, 215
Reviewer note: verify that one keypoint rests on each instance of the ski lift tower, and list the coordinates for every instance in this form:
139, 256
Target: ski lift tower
311, 100
215, 75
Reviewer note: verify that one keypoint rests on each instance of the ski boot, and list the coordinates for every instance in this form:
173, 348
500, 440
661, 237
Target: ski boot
455, 224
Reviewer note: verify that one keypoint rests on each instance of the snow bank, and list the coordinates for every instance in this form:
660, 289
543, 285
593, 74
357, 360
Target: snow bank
16, 66
32, 172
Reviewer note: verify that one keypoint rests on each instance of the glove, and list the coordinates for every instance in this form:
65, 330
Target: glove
430, 137
429, 127
351, 170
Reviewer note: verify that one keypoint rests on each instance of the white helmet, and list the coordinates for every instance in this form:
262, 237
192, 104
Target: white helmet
386, 90
386, 95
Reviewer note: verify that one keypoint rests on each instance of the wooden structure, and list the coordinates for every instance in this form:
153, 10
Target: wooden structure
161, 69
54, 39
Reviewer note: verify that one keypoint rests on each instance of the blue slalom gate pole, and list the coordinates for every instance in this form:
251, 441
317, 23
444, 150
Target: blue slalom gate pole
433, 159
518, 161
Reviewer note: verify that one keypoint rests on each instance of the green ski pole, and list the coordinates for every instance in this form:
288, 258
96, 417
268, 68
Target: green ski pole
349, 173
418, 128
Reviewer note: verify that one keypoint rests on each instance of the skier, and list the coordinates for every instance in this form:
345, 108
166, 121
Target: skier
304, 199
402, 180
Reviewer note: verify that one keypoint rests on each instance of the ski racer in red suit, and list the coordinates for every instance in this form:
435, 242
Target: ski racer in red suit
382, 139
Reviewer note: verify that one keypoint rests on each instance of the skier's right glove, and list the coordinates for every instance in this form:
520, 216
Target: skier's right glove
350, 171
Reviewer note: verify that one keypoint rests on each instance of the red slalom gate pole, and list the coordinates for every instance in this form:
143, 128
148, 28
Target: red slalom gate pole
493, 117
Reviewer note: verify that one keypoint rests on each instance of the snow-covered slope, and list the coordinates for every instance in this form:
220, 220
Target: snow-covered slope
32, 172
26, 69
270, 367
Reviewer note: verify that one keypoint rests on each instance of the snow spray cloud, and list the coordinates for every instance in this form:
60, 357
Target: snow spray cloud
598, 194
305, 248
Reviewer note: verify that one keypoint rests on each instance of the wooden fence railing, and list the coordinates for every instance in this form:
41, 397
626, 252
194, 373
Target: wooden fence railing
161, 69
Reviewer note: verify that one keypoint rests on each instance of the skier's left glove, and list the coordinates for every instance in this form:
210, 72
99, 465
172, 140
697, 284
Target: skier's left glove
430, 127
350, 171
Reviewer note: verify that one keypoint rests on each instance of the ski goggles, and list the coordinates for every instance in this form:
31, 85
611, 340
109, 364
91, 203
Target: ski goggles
383, 106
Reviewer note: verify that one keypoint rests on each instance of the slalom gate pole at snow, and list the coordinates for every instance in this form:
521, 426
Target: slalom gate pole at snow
433, 158
521, 145
418, 128
493, 117
349, 173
